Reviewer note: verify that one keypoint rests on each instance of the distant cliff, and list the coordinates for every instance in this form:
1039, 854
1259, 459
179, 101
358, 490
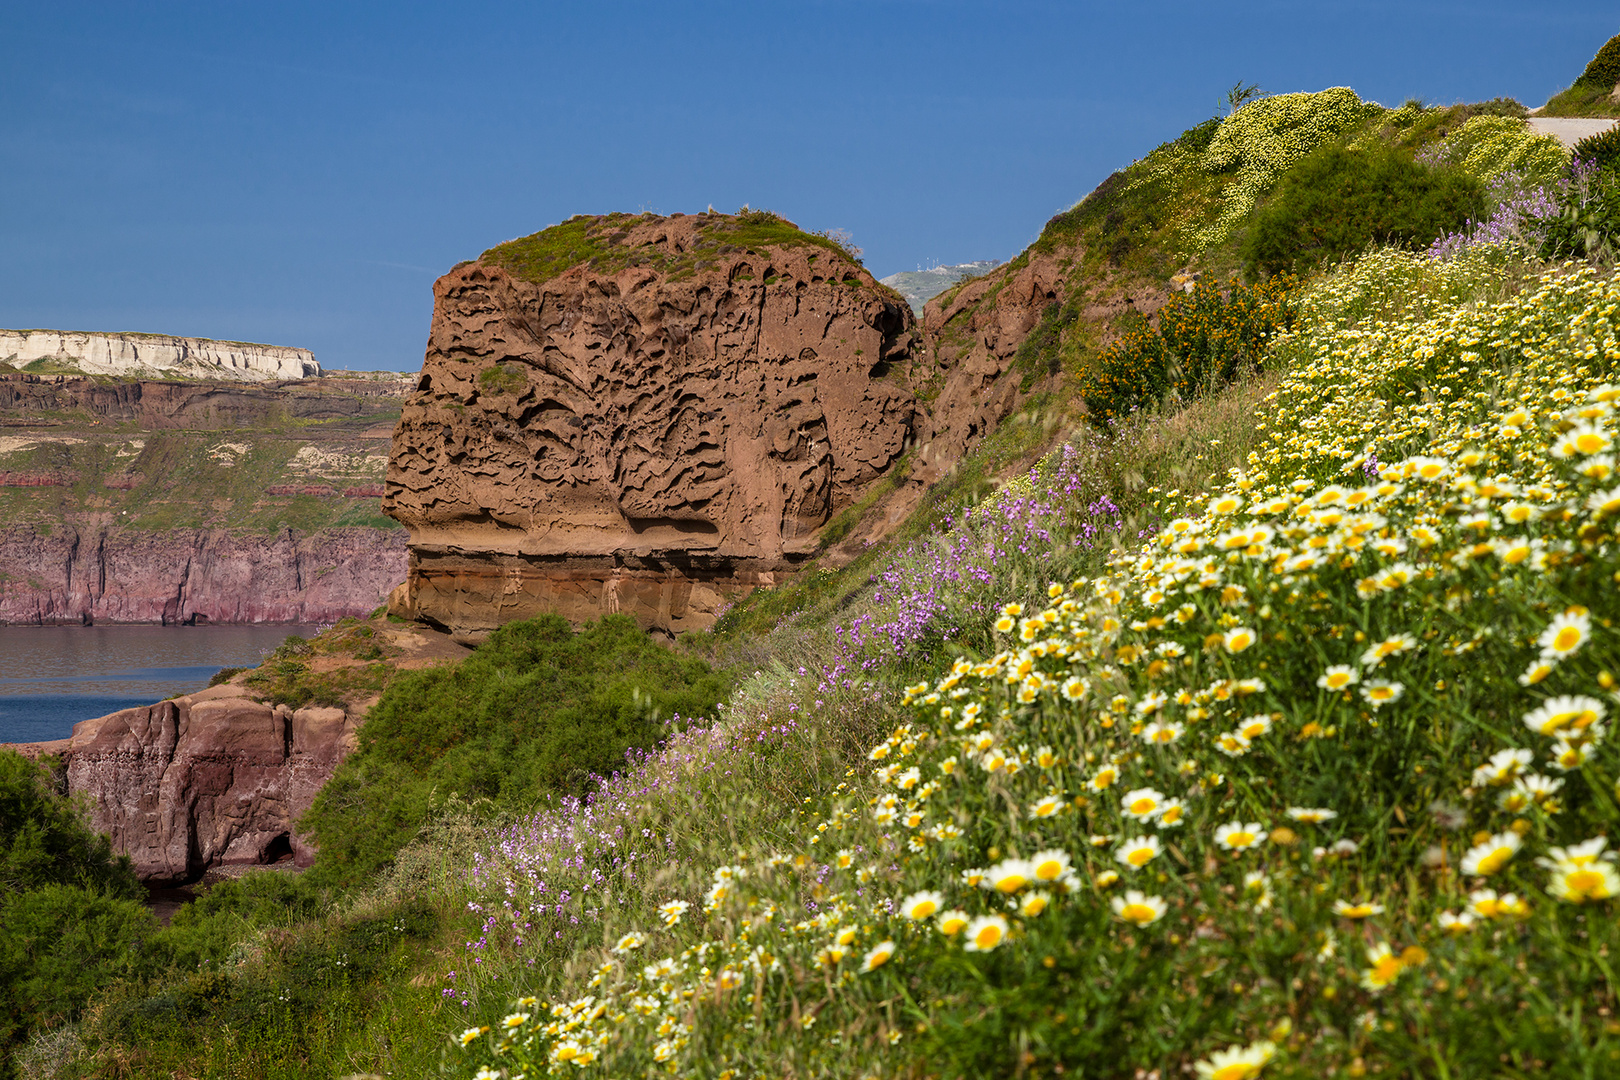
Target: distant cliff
165, 404
921, 286
168, 500
154, 354
102, 575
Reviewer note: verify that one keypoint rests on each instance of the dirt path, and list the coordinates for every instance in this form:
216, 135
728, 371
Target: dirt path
1570, 130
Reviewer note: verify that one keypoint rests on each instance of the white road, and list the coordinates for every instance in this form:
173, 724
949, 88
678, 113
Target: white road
1570, 130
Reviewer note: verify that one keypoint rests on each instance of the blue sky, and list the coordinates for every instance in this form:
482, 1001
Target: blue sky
300, 173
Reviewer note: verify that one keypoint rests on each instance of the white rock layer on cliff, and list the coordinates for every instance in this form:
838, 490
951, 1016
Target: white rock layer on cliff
151, 354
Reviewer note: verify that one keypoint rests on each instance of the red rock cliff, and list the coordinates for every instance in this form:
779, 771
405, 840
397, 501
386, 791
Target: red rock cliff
78, 575
206, 780
652, 428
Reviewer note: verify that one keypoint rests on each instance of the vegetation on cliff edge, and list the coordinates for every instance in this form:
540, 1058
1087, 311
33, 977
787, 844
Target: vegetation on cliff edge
600, 243
532, 714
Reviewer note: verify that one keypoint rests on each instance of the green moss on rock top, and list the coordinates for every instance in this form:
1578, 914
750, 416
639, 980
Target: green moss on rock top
606, 245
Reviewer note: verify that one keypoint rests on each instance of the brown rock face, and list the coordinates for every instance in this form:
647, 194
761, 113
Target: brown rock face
652, 438
211, 779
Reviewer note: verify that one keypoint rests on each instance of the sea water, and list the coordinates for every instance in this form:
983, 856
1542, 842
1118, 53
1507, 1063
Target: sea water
51, 677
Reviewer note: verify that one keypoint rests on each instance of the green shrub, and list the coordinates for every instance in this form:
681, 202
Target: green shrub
204, 931
533, 712
59, 944
225, 675
1603, 72
45, 839
70, 919
1588, 222
1203, 340
502, 379
1602, 150
1337, 202
327, 997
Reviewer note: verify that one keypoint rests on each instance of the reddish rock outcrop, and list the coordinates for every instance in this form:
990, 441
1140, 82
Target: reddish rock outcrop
210, 779
34, 479
71, 575
653, 434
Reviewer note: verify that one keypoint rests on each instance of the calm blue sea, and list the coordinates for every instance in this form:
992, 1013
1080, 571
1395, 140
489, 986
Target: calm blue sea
51, 677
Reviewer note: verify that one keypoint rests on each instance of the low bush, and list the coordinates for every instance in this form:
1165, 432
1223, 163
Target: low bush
1601, 150
321, 997
1603, 71
533, 712
70, 919
60, 943
1203, 340
45, 840
225, 675
204, 932
1586, 224
1338, 202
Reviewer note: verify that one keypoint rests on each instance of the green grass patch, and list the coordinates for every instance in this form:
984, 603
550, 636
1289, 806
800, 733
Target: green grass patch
602, 244
533, 712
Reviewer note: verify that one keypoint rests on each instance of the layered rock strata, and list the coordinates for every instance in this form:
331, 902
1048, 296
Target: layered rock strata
655, 430
173, 405
111, 575
151, 354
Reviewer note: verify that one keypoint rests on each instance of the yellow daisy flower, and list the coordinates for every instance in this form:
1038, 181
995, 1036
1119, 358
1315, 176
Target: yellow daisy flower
1491, 856
1138, 852
1236, 1062
985, 933
1139, 909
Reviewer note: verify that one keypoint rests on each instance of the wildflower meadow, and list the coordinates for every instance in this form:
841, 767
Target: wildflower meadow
1313, 779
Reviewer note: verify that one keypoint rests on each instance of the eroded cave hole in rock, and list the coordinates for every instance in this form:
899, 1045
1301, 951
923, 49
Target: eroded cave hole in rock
277, 851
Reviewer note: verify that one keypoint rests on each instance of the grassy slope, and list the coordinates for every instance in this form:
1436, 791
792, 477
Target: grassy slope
1593, 93
1135, 230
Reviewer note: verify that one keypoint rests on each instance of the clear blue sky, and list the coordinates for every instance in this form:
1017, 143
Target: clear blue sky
300, 173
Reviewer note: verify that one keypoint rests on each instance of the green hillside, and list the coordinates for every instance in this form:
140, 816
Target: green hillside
1593, 93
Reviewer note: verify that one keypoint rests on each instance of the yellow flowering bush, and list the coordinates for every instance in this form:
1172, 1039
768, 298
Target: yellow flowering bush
1316, 780
1491, 146
1262, 140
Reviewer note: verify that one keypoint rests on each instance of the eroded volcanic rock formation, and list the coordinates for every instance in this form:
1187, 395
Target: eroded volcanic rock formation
643, 414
